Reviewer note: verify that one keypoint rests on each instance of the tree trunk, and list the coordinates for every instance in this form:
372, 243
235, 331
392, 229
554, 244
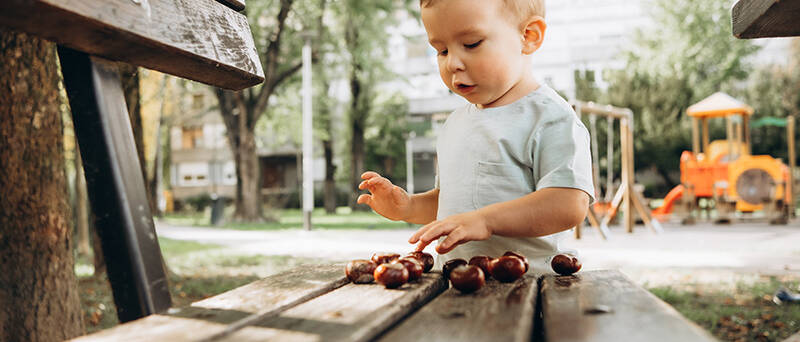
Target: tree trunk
356, 163
129, 75
38, 290
388, 167
330, 172
242, 140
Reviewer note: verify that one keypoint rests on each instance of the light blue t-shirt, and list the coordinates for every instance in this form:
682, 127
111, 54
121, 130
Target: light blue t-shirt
499, 154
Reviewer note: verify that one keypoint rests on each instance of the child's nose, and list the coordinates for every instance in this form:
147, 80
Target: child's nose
454, 62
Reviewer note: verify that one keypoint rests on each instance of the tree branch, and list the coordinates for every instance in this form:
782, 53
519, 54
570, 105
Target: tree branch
271, 58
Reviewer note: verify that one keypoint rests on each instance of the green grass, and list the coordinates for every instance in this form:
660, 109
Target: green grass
742, 313
344, 218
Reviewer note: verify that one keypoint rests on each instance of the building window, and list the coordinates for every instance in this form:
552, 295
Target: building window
192, 174
191, 137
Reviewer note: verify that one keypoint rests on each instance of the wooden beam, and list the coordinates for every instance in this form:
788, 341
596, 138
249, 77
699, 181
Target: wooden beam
496, 312
765, 18
607, 110
216, 315
607, 306
236, 5
627, 176
200, 40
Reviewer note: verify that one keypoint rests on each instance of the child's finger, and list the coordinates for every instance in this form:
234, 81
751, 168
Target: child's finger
369, 174
380, 182
453, 239
364, 199
415, 237
437, 230
363, 185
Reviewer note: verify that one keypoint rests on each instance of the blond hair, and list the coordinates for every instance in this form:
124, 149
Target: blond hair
523, 9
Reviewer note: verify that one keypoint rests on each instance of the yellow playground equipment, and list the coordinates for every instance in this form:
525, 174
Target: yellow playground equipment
725, 173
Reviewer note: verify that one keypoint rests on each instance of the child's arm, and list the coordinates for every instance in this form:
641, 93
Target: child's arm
394, 203
543, 212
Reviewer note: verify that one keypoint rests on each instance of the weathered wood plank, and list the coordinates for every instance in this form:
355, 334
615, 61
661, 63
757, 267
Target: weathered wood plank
216, 314
201, 40
793, 338
351, 313
607, 306
765, 18
497, 312
237, 5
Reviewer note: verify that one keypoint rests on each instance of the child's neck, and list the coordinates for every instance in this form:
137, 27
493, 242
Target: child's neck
525, 86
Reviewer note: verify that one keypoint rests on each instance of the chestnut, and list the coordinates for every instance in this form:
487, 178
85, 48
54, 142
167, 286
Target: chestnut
360, 271
467, 278
481, 261
522, 257
425, 258
384, 258
450, 265
413, 266
507, 268
565, 264
391, 275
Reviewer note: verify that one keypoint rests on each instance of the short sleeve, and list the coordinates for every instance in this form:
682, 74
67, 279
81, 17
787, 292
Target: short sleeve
562, 157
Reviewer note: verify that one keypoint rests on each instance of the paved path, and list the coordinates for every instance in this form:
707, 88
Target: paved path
715, 251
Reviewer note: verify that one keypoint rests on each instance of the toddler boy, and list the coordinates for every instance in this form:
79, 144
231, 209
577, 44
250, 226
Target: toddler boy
514, 169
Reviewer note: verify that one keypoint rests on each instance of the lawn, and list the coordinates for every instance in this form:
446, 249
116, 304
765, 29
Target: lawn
738, 312
344, 218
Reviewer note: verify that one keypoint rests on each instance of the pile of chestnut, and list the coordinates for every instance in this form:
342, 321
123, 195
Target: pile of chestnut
389, 269
470, 276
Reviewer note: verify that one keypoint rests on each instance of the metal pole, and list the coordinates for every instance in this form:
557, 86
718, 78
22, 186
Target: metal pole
410, 163
308, 174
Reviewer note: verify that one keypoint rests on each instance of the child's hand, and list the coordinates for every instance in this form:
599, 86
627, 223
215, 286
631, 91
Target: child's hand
459, 229
387, 199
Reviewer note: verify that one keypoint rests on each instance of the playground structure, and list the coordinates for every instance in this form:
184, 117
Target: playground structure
608, 205
725, 174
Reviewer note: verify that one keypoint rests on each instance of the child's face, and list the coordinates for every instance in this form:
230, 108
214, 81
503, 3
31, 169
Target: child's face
480, 50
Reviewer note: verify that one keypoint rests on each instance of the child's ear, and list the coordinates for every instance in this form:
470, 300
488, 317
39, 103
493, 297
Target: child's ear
533, 34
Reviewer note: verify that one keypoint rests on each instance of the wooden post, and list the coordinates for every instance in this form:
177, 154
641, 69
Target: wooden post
626, 174
704, 122
609, 159
695, 137
791, 156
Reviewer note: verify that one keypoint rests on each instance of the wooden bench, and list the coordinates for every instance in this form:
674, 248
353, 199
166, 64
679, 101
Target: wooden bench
202, 40
318, 304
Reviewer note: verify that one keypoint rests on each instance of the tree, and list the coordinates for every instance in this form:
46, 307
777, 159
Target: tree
688, 54
241, 110
364, 25
38, 290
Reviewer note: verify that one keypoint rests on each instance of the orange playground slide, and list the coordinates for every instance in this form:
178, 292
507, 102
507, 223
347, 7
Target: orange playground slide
672, 196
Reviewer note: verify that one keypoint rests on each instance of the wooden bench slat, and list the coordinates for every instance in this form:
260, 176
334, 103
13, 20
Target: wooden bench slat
765, 18
497, 312
607, 306
201, 40
215, 315
237, 5
353, 312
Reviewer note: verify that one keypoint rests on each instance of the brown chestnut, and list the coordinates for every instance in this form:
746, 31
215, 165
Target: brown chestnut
481, 261
449, 265
467, 278
507, 268
360, 271
413, 266
384, 258
565, 264
391, 275
425, 258
522, 257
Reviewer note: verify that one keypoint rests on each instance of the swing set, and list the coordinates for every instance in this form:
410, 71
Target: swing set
608, 203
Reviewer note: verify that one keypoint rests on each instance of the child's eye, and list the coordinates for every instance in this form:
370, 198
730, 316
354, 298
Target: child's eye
473, 45
443, 53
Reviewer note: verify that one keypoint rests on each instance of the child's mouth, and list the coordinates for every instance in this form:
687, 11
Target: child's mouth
465, 88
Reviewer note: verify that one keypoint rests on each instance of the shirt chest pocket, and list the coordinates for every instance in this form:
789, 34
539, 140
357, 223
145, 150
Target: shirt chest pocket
496, 182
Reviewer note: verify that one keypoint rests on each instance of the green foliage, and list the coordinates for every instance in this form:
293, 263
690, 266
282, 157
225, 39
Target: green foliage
773, 91
685, 56
385, 137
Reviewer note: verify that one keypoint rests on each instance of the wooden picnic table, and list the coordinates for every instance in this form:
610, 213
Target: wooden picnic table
317, 303
765, 18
